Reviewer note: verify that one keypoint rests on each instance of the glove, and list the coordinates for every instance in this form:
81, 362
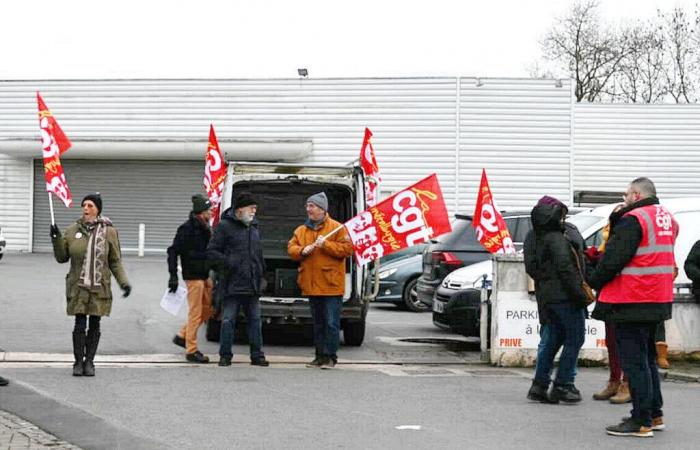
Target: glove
126, 290
172, 283
54, 232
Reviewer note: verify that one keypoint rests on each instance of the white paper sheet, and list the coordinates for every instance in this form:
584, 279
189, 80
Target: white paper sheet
172, 302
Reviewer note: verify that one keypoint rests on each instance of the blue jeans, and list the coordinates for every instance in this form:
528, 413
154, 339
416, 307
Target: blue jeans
565, 328
636, 343
251, 308
325, 312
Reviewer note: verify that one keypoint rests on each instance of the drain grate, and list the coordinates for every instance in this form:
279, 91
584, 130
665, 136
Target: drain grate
437, 341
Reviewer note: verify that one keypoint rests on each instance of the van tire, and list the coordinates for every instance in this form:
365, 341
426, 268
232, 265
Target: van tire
213, 330
354, 333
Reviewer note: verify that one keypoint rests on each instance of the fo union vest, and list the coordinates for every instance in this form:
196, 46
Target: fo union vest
648, 276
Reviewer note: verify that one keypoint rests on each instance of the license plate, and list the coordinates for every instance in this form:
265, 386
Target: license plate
438, 307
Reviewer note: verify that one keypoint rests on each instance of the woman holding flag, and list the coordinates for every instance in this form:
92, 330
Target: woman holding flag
91, 245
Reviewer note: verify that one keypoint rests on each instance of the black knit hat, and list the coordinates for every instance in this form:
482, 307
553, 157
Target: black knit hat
243, 199
200, 203
96, 199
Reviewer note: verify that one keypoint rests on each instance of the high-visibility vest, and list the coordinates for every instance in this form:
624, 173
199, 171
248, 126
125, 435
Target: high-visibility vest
648, 276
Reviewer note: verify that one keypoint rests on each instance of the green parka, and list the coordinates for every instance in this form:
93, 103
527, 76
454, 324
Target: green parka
72, 247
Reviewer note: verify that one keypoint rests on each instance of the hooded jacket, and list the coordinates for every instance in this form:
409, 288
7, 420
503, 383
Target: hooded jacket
549, 258
236, 252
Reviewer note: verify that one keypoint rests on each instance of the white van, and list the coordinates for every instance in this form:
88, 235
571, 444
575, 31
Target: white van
281, 191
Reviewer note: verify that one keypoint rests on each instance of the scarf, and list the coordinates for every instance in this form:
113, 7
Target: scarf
96, 254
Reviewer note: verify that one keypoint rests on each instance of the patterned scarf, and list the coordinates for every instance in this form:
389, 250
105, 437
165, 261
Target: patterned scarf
96, 254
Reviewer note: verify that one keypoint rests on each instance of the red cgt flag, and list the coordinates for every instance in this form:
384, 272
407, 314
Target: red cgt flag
214, 175
54, 143
414, 215
368, 162
491, 229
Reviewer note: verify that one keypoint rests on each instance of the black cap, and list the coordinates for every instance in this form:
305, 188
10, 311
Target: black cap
243, 199
200, 203
96, 199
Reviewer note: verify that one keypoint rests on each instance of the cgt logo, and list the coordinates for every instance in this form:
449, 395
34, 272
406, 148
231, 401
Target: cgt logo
409, 217
663, 218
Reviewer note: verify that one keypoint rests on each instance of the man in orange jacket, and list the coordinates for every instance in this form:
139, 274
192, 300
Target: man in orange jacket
322, 275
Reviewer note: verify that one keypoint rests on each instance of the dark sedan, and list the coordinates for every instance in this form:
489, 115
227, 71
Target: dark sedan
398, 274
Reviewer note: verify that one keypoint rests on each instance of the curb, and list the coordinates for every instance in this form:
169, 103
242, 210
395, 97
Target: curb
680, 376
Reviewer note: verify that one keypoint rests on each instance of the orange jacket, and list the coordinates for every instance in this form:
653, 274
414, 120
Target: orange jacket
322, 272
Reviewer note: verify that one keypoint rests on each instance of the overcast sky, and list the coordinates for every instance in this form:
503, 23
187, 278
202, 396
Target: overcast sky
263, 38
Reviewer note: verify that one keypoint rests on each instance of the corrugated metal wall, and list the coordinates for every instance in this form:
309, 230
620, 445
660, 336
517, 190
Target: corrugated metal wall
615, 143
518, 130
15, 202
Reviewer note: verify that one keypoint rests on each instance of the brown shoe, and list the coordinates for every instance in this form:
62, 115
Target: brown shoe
623, 394
657, 423
610, 390
662, 355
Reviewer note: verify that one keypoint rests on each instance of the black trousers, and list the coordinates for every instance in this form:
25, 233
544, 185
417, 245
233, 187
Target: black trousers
636, 344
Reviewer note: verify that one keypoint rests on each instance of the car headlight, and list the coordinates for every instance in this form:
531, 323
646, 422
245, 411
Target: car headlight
387, 273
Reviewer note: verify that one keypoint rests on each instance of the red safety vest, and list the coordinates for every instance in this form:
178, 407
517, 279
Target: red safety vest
648, 276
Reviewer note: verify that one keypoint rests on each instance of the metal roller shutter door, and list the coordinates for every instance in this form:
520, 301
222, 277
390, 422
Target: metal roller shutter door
155, 193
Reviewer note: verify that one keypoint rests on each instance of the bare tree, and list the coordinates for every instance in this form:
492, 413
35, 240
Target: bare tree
682, 55
586, 49
641, 74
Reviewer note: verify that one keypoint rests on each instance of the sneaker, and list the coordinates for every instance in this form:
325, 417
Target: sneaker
262, 362
328, 363
179, 341
629, 428
197, 357
538, 393
566, 393
316, 363
224, 361
657, 423
4, 381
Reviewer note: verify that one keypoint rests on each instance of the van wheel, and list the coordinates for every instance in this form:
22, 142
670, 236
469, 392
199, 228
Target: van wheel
354, 333
410, 297
213, 330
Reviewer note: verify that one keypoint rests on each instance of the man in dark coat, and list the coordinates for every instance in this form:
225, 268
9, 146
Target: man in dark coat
692, 268
634, 279
235, 250
550, 259
190, 244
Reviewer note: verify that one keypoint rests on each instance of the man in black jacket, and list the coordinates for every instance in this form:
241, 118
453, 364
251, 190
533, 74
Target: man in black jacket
236, 252
551, 260
692, 268
190, 244
634, 279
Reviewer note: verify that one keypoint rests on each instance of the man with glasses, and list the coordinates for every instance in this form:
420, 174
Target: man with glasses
634, 279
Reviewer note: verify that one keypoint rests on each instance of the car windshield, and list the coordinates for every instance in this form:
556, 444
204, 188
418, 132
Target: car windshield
583, 221
462, 234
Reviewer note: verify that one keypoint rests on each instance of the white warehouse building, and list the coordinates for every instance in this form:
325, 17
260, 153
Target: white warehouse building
141, 143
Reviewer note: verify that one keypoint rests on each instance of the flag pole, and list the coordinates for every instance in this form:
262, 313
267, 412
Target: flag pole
333, 232
53, 220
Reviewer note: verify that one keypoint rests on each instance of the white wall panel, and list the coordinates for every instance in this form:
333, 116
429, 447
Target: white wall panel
15, 201
615, 143
519, 131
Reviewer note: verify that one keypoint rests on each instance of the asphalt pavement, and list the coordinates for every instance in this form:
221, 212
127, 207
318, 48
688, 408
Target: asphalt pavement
387, 394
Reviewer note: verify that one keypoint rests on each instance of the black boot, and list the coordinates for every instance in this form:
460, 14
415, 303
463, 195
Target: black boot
78, 353
538, 393
93, 338
567, 393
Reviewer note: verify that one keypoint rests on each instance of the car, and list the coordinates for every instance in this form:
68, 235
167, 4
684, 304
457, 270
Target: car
456, 306
398, 277
281, 191
461, 248
3, 243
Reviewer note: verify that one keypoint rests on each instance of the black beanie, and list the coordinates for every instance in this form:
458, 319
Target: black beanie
200, 203
96, 199
243, 199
